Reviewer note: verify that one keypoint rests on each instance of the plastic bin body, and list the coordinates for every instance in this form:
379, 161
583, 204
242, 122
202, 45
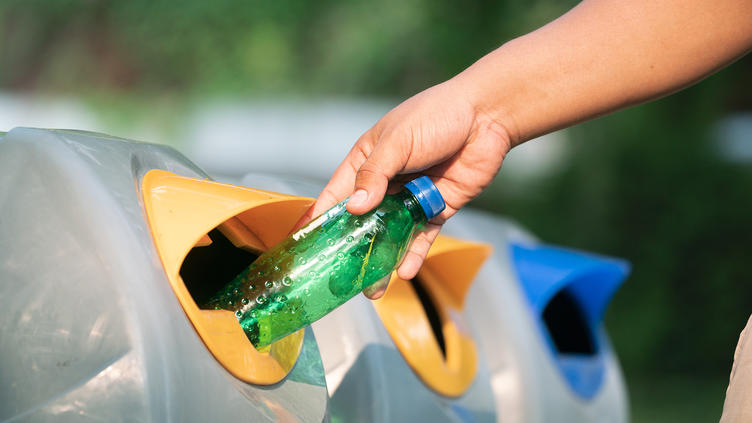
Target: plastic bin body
91, 329
526, 381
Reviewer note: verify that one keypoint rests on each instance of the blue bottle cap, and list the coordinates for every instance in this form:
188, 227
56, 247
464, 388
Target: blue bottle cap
427, 195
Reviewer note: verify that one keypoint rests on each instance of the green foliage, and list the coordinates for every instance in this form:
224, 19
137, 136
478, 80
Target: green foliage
360, 47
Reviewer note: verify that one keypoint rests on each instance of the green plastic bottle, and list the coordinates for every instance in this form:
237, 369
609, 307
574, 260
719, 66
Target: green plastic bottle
326, 263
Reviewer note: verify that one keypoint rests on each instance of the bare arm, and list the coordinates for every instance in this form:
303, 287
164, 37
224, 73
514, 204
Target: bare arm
601, 56
605, 55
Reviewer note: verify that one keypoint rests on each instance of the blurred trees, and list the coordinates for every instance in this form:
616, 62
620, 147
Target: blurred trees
327, 47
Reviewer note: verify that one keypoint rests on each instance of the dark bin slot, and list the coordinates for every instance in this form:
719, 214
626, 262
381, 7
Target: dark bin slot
432, 313
208, 269
568, 291
567, 325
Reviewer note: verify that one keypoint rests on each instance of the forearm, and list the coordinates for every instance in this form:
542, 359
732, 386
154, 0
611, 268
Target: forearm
605, 55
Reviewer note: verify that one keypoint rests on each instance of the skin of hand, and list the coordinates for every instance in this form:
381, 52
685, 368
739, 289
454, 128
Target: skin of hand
436, 133
601, 56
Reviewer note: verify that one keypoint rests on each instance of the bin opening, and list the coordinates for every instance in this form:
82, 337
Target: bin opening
424, 318
567, 326
208, 268
568, 291
432, 313
206, 233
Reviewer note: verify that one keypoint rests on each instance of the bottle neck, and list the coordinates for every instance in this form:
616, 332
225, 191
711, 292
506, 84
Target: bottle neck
412, 205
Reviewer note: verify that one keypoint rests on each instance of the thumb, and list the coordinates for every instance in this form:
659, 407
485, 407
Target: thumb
372, 178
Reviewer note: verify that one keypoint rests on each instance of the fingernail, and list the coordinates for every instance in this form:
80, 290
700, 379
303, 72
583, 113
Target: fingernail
358, 198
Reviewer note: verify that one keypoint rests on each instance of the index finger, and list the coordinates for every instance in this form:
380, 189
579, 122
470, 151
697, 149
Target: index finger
341, 183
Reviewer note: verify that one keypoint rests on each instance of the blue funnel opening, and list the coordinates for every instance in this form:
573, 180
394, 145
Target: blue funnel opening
568, 292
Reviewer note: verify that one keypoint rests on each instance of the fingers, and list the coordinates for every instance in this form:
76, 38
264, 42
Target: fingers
340, 185
417, 252
377, 290
410, 265
372, 177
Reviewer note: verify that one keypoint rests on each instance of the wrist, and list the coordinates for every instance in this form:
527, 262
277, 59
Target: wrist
480, 84
486, 122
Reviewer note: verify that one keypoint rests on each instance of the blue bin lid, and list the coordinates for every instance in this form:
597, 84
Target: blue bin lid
544, 271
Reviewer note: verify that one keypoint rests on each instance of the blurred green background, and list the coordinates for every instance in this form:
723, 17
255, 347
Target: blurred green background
666, 185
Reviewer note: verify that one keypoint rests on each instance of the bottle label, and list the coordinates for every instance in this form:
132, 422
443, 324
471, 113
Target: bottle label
315, 223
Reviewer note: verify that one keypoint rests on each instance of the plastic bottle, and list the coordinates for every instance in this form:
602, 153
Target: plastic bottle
325, 263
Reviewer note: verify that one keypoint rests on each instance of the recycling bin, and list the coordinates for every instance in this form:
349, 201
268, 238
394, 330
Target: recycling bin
108, 245
98, 276
537, 311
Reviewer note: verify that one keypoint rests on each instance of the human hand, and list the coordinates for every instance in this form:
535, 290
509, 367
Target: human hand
599, 57
439, 133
